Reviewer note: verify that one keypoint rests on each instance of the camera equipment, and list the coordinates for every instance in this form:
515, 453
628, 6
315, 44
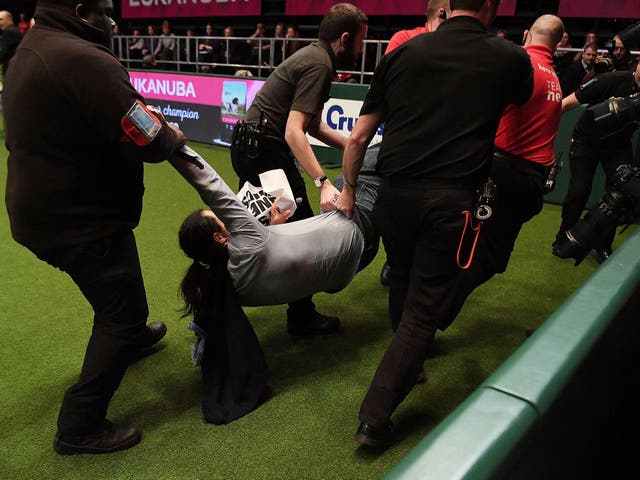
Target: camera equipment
555, 169
486, 199
630, 36
604, 64
615, 113
616, 207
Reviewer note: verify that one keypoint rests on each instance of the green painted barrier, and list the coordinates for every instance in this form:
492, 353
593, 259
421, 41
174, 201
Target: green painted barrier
493, 433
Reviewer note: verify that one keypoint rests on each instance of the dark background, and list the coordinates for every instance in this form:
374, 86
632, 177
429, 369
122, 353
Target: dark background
380, 27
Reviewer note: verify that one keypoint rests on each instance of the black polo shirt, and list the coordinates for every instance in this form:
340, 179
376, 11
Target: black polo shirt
442, 95
600, 88
301, 83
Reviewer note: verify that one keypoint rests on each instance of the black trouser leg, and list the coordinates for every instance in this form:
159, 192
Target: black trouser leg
108, 274
421, 227
519, 198
583, 162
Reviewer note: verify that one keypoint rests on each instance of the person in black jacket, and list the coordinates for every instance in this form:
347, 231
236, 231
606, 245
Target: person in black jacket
11, 37
77, 134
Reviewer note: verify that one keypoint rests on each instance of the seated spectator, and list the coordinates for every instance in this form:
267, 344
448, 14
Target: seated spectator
151, 42
166, 49
590, 38
23, 24
279, 35
116, 41
233, 52
562, 59
291, 45
189, 51
208, 49
259, 47
574, 74
136, 45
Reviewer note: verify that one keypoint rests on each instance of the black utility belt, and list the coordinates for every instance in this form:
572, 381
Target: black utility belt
248, 135
522, 164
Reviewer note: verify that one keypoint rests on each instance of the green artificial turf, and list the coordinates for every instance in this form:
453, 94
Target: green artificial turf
305, 431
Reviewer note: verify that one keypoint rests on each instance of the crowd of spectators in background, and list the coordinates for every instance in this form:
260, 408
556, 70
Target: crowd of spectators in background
210, 51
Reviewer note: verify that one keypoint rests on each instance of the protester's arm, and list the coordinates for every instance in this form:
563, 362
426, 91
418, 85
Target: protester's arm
297, 124
363, 131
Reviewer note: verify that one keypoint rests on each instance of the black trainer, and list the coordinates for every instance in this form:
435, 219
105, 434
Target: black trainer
312, 324
372, 436
111, 438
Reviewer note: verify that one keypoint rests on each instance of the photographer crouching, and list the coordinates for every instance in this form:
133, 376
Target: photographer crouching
590, 145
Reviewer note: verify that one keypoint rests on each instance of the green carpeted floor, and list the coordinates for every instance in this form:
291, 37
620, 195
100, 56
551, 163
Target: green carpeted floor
306, 430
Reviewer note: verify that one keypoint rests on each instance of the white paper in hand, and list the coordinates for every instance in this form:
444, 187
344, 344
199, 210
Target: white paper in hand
275, 183
258, 200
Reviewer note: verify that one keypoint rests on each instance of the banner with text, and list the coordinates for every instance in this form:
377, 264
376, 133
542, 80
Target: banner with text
189, 8
378, 7
599, 8
205, 108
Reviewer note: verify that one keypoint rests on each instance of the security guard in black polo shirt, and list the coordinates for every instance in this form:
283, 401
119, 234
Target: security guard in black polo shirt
287, 107
441, 97
588, 148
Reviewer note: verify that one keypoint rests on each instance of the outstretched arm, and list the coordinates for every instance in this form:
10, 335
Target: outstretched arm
217, 195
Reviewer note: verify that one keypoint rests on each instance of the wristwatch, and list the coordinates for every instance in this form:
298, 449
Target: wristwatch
318, 181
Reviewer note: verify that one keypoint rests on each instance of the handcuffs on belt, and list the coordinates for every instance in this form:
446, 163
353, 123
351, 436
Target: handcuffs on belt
248, 135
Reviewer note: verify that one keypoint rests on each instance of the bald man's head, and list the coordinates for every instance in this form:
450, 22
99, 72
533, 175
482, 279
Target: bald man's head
546, 30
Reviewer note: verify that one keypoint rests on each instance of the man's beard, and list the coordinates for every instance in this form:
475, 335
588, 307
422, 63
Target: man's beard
346, 60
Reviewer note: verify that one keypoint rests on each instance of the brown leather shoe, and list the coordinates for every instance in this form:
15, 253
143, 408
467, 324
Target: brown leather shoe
377, 437
153, 334
111, 439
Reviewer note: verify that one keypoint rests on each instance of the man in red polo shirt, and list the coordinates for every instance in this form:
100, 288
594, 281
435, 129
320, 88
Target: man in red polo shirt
437, 12
523, 153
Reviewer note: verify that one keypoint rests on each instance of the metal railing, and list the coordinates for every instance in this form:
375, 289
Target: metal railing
259, 57
235, 53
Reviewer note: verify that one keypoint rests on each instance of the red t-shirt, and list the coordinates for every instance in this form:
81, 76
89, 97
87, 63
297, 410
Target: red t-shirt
529, 130
402, 36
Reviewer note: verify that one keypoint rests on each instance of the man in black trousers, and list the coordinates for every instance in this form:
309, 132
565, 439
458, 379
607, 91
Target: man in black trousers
435, 153
77, 134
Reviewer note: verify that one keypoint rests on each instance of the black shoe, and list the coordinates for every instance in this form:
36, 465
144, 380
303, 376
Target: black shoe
111, 439
312, 324
375, 436
384, 274
603, 255
555, 248
153, 334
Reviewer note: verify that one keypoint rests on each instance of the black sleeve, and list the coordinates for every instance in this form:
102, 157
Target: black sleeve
523, 83
106, 94
375, 99
599, 88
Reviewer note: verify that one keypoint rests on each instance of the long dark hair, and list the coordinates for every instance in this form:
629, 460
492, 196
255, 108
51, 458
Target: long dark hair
197, 242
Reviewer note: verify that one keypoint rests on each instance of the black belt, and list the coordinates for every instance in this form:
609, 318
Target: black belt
521, 163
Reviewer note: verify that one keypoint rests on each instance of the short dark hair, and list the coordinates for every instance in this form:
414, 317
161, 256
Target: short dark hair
341, 18
473, 5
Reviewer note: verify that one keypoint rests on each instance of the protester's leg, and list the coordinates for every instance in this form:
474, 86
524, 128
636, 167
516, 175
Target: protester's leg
108, 274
